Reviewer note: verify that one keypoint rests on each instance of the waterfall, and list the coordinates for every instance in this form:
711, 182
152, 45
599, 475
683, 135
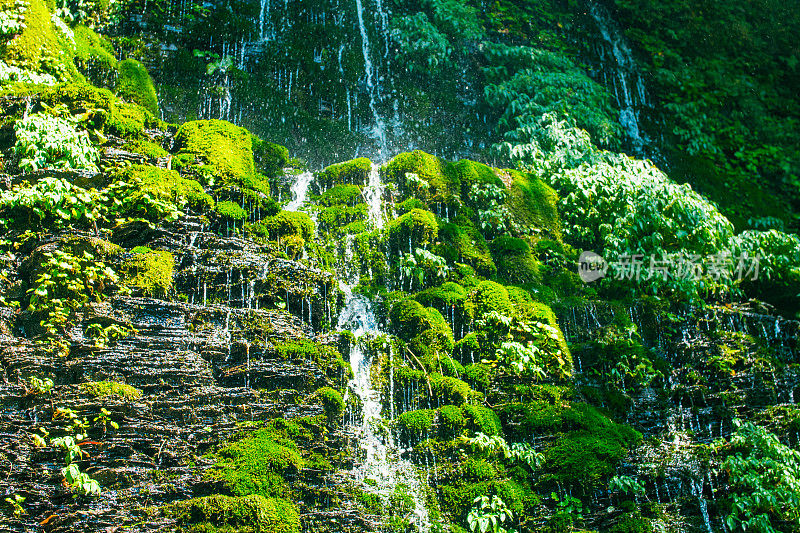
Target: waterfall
379, 128
382, 464
299, 191
373, 193
628, 85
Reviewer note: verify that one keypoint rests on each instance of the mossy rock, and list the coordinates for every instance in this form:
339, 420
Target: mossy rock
257, 462
227, 148
353, 172
462, 242
40, 47
424, 328
151, 271
93, 51
415, 424
231, 210
444, 296
285, 224
534, 204
417, 228
106, 111
489, 297
514, 260
269, 158
471, 173
423, 176
482, 419
107, 389
332, 402
164, 185
448, 389
134, 84
251, 513
451, 420
148, 149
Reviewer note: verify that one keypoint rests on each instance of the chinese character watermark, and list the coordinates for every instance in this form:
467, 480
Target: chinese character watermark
679, 266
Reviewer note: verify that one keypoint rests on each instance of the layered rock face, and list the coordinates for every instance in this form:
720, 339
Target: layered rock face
200, 333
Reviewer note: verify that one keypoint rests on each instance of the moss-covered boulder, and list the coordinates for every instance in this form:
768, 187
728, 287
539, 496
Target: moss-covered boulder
134, 84
354, 172
424, 176
246, 514
155, 183
489, 297
426, 331
514, 260
269, 158
413, 229
225, 147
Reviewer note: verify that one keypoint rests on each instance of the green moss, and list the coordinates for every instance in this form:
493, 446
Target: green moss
151, 271
477, 373
227, 148
413, 229
269, 157
416, 423
286, 224
450, 389
354, 172
446, 295
106, 110
632, 524
462, 242
105, 389
148, 149
471, 173
427, 332
247, 514
40, 47
343, 194
93, 50
424, 176
452, 420
257, 462
231, 210
135, 85
306, 350
489, 296
474, 469
166, 185
332, 403
534, 204
483, 419
409, 204
514, 260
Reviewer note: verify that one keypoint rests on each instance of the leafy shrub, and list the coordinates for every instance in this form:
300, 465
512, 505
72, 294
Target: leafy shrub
45, 141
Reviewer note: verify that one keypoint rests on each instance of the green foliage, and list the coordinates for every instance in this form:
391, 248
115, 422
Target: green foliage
285, 224
765, 480
489, 515
46, 141
622, 358
151, 271
105, 336
52, 201
135, 85
15, 503
65, 283
36, 385
253, 513
778, 254
620, 206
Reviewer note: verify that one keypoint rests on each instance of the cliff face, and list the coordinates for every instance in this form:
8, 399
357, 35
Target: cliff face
198, 333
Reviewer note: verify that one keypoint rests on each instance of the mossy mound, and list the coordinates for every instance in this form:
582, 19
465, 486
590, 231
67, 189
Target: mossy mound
270, 158
247, 514
151, 271
107, 389
258, 462
534, 204
332, 402
227, 148
462, 242
284, 225
423, 176
428, 334
166, 186
94, 52
514, 260
231, 210
413, 229
353, 172
488, 297
41, 47
134, 84
107, 112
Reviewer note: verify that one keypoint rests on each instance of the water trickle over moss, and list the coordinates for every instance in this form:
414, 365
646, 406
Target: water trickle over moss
227, 148
134, 84
151, 271
105, 389
252, 513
